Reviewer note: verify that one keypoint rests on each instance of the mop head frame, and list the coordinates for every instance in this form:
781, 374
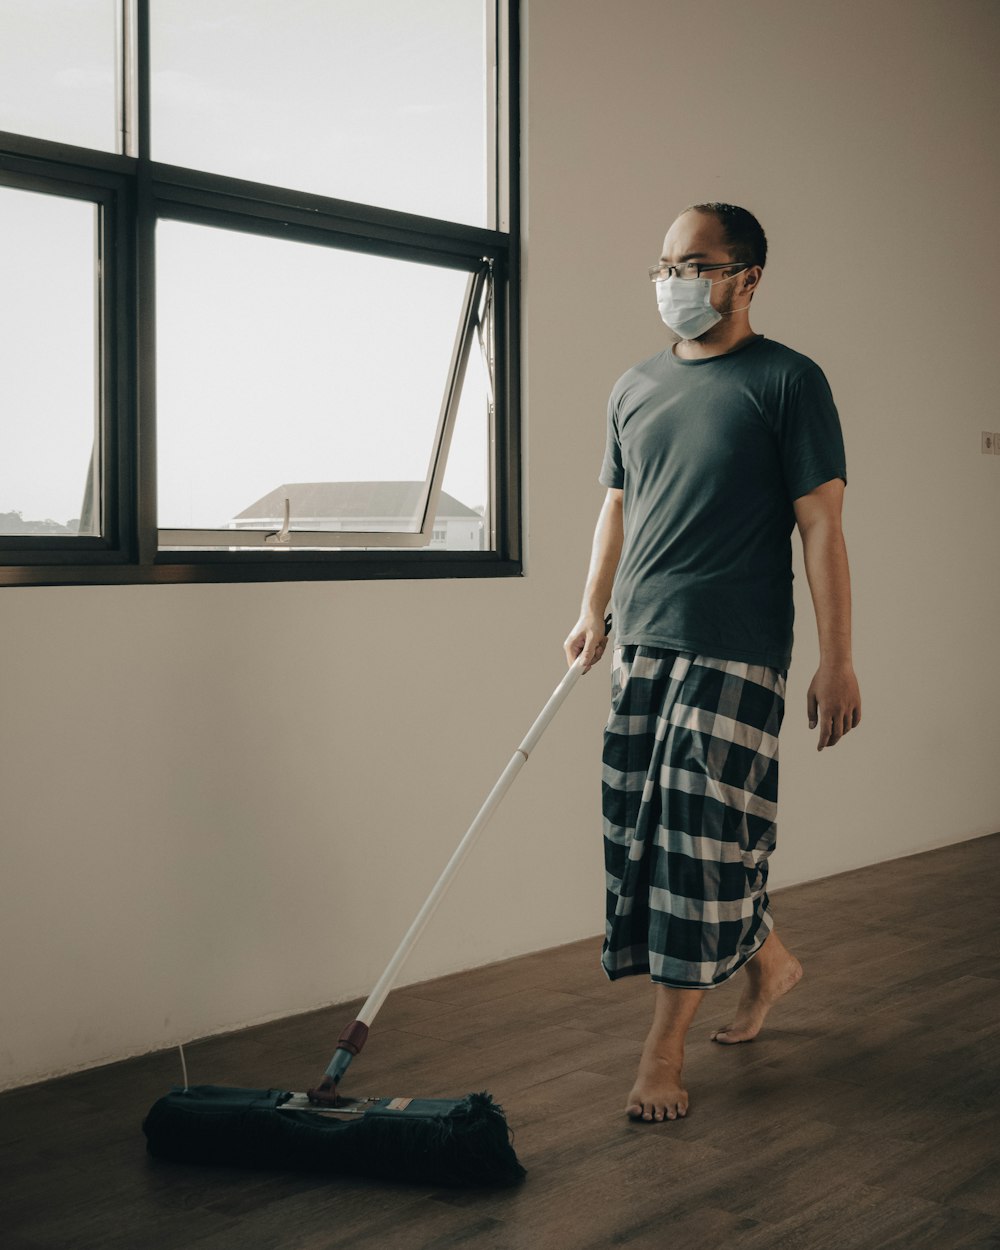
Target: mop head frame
462, 1142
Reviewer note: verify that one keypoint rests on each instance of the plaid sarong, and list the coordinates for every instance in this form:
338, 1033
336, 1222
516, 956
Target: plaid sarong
690, 794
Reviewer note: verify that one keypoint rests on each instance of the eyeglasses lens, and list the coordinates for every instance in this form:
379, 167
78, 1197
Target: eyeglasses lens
687, 270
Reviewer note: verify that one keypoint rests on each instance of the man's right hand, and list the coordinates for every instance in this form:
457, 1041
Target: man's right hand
587, 637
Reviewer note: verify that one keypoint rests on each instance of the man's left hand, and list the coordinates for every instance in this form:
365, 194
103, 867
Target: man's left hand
834, 702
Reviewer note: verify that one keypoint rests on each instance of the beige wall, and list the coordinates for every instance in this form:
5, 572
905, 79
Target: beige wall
222, 804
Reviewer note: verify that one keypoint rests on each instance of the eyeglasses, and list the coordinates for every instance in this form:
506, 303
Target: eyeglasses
691, 269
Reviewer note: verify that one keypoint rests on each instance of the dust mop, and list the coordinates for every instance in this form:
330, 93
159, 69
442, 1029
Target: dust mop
441, 1141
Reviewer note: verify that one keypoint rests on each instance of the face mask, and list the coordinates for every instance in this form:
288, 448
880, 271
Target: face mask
685, 304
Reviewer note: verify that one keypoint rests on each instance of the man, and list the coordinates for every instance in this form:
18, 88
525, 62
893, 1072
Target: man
717, 447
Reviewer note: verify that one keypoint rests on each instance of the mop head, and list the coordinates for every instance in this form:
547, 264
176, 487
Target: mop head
437, 1141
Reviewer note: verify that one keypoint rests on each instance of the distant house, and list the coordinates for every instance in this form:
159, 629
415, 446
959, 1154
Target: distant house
363, 505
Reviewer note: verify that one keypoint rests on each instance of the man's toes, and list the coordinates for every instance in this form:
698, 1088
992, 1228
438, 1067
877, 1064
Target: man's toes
729, 1036
652, 1112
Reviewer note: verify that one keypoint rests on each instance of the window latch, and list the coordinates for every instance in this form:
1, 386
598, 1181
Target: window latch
282, 535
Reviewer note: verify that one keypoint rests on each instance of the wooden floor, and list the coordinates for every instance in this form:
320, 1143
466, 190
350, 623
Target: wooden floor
866, 1115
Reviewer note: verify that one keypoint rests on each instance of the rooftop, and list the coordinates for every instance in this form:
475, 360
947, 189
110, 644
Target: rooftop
350, 500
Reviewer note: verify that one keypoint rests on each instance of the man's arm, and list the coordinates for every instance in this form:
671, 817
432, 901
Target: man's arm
834, 699
587, 635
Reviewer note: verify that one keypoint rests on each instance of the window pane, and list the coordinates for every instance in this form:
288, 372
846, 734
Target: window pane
57, 71
49, 379
382, 102
292, 371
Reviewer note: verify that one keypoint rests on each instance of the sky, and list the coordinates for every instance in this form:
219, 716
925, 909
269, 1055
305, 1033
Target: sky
277, 361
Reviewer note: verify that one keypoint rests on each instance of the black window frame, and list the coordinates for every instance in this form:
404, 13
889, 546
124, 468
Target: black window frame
132, 193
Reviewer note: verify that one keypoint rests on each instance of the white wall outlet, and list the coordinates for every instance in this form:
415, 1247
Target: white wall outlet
996, 443
988, 442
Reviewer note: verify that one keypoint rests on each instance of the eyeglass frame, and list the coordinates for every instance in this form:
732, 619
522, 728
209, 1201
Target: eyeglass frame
655, 274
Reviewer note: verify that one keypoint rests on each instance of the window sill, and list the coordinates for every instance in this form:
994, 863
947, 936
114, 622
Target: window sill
176, 568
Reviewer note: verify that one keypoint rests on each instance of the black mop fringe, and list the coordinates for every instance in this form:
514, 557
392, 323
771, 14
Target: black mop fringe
459, 1142
472, 1142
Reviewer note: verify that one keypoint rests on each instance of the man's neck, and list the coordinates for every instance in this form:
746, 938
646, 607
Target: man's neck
717, 344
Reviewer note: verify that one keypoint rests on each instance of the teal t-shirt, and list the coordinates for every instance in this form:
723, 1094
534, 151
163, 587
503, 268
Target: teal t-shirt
710, 455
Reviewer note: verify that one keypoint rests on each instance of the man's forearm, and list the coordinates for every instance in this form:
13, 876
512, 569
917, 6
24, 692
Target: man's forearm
825, 554
604, 557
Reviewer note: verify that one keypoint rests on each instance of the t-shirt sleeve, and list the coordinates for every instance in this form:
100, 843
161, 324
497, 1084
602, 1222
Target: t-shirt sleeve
612, 471
810, 440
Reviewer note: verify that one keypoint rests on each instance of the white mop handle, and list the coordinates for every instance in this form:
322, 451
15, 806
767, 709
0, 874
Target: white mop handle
367, 1013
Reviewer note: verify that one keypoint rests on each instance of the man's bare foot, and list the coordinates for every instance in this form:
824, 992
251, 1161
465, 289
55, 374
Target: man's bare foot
657, 1093
768, 981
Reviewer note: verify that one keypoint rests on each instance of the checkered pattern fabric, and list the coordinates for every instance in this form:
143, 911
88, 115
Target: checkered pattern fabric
690, 795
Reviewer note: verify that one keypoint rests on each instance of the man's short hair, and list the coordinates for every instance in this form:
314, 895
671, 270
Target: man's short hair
744, 237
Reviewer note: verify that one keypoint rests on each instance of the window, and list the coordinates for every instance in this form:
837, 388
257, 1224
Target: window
259, 282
